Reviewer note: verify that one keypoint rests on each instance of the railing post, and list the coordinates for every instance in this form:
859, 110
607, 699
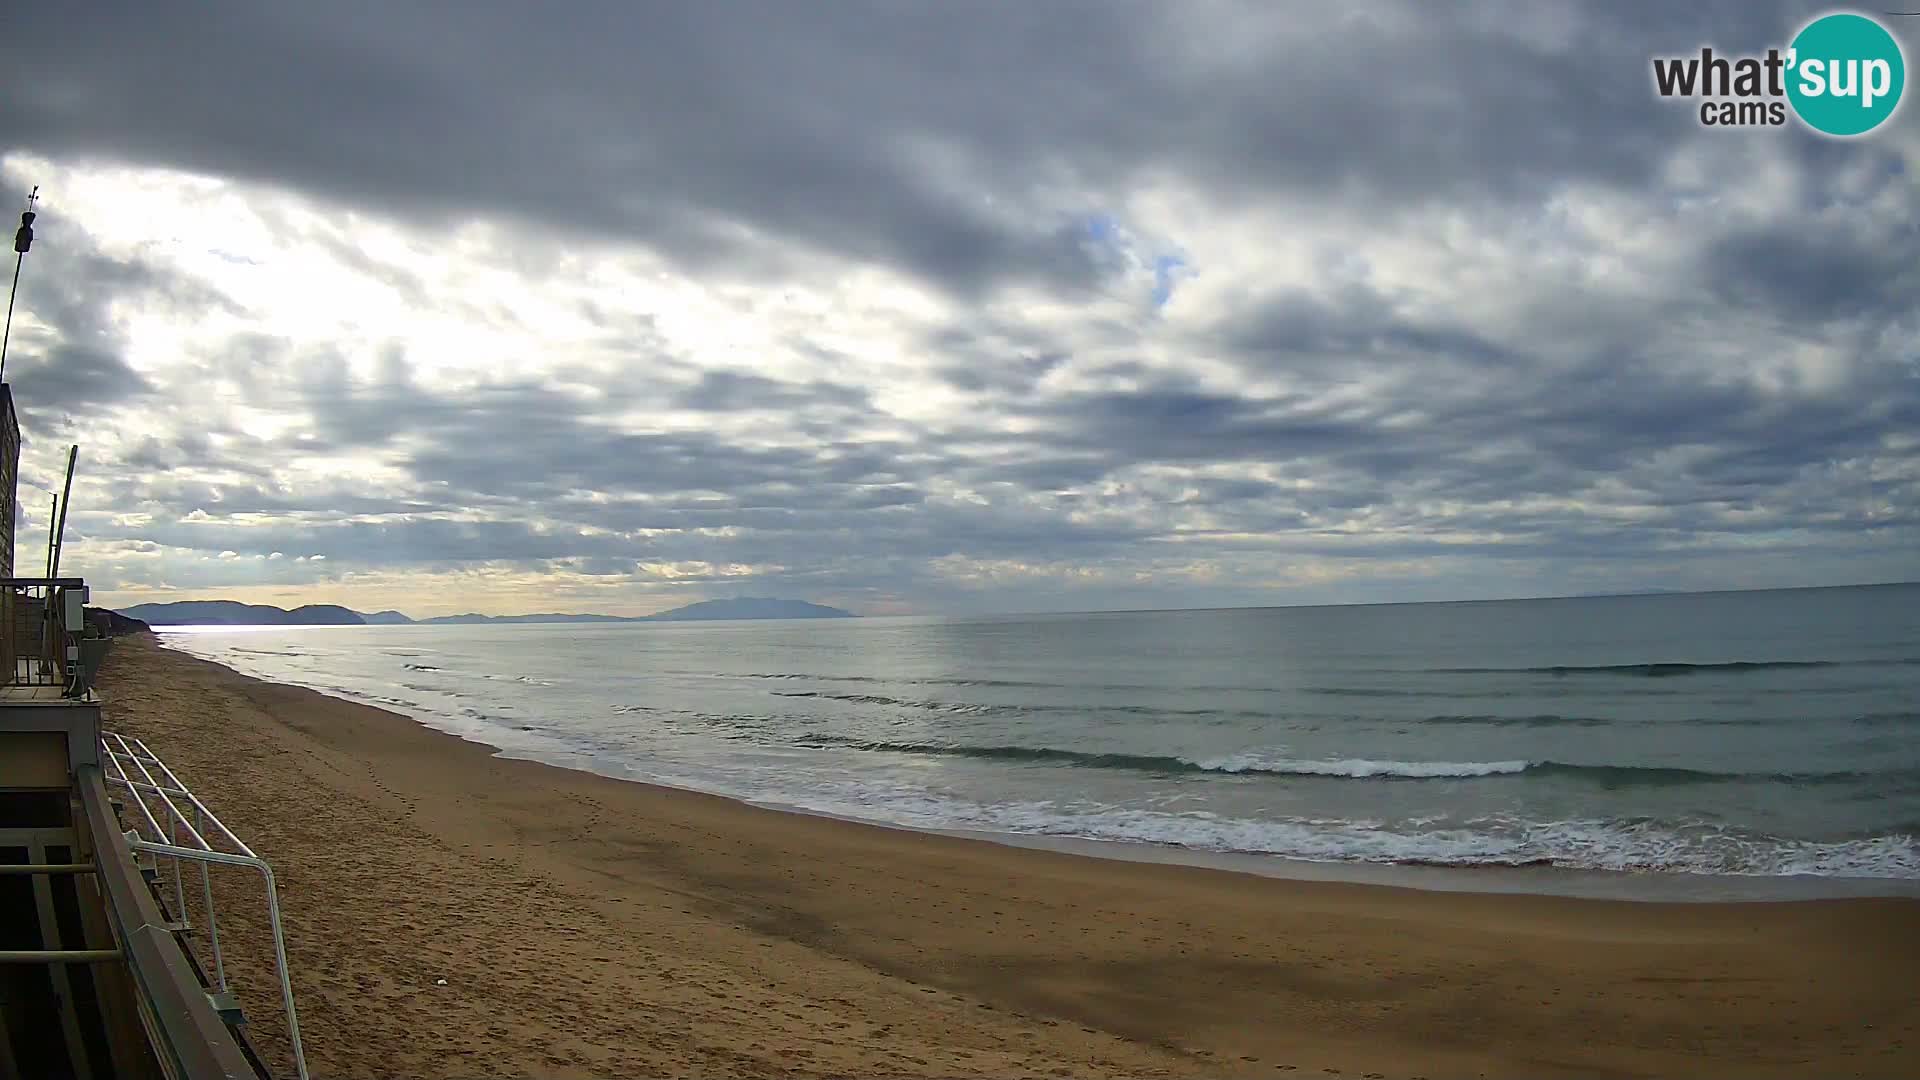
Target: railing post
280, 961
213, 920
179, 893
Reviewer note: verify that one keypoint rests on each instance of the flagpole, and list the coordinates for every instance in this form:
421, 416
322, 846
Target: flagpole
22, 242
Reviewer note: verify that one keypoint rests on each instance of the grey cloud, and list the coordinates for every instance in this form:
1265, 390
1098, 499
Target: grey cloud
841, 129
1820, 270
77, 363
726, 391
1296, 331
75, 376
1586, 432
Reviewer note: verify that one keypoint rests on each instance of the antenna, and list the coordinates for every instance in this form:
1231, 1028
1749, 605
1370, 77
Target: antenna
22, 243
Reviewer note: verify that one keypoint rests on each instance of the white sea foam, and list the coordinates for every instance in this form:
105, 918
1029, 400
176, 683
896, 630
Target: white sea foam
1697, 848
1358, 768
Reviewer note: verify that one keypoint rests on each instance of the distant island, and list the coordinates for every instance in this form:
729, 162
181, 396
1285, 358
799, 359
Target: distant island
233, 613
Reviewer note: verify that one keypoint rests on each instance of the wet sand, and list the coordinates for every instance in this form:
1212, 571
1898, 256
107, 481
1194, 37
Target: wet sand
595, 927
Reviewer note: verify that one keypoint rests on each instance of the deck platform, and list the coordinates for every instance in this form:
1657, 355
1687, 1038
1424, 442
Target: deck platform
94, 981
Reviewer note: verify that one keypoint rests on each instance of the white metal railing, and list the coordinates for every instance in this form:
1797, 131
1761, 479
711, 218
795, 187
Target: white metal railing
184, 838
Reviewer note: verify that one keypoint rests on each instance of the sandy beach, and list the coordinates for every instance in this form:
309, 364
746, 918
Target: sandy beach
589, 927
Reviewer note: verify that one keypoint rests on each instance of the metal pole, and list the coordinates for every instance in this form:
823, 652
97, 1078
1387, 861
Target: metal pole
213, 921
57, 956
60, 530
46, 611
179, 893
53, 512
286, 977
22, 242
7, 336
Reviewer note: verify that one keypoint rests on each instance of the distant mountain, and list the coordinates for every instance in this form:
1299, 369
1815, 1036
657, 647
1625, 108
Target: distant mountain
744, 608
543, 618
113, 623
750, 607
233, 613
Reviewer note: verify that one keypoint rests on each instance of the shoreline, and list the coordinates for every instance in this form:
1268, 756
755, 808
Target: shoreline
588, 926
1535, 880
1624, 886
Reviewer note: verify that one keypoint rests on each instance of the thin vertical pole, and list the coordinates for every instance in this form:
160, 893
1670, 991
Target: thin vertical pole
206, 895
66, 493
286, 977
46, 609
7, 335
179, 891
22, 241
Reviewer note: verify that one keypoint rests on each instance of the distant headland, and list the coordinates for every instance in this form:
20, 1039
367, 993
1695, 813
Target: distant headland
233, 613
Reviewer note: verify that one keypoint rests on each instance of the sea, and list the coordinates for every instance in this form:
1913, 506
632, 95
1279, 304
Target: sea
1744, 737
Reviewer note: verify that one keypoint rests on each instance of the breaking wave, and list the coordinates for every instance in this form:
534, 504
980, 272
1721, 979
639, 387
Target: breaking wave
1340, 768
1670, 670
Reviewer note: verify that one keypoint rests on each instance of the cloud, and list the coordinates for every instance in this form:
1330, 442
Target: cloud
1074, 305
725, 391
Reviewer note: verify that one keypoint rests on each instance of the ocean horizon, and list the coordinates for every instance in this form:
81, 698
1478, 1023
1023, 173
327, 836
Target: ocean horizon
1767, 735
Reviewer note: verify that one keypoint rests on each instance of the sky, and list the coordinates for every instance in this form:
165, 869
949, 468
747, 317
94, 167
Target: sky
954, 308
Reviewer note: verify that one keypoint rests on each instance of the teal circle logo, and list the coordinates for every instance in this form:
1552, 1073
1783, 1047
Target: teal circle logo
1845, 74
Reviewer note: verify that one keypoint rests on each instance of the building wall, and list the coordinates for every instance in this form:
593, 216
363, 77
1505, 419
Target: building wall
9, 478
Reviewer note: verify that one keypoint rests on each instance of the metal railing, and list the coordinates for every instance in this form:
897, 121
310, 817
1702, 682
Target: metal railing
170, 1006
42, 621
185, 838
